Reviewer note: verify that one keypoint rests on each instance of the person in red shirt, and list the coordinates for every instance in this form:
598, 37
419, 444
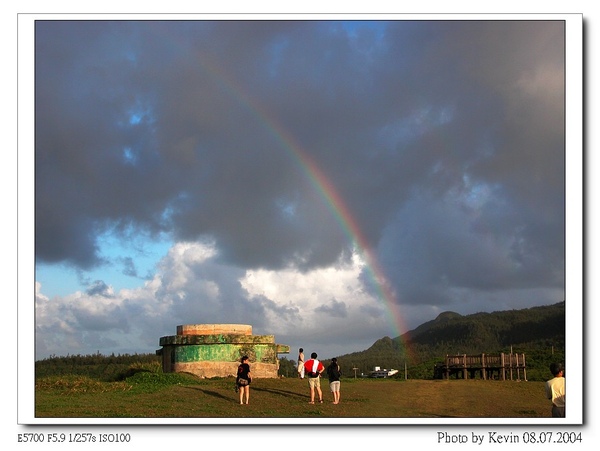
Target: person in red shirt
313, 369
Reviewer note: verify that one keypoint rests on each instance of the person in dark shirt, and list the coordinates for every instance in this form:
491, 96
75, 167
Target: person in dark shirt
243, 380
334, 373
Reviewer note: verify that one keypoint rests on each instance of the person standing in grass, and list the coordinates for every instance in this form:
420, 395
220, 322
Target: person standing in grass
243, 380
313, 369
334, 373
555, 390
301, 363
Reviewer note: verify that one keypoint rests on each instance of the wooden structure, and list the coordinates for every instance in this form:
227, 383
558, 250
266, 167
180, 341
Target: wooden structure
487, 366
214, 350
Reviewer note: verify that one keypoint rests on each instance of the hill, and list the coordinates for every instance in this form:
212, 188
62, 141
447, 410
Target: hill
539, 332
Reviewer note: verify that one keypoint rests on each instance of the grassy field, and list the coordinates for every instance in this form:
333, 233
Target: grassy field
157, 395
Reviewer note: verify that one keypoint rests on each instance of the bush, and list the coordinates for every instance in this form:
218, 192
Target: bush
78, 384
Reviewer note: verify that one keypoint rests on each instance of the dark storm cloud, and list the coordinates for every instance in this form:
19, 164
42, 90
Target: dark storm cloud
445, 139
99, 288
129, 268
334, 308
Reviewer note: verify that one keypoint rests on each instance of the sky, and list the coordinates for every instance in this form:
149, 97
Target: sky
327, 182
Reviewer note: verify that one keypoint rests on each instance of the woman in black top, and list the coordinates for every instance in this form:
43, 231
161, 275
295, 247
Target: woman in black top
243, 380
334, 373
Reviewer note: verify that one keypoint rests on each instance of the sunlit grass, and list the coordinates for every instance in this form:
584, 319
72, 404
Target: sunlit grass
157, 395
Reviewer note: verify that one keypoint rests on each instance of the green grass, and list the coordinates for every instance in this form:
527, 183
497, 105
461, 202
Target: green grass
156, 395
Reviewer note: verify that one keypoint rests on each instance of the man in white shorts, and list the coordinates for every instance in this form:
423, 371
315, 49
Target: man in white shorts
313, 369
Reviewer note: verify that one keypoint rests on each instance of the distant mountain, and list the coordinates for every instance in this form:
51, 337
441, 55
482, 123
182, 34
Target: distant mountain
481, 331
442, 319
538, 332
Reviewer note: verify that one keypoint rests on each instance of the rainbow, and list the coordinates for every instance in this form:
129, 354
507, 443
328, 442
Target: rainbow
318, 179
339, 210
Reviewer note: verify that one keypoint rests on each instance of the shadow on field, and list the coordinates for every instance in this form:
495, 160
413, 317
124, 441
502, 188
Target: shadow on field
279, 392
437, 415
212, 393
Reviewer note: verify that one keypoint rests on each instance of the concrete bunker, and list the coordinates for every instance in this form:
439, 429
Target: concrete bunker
214, 350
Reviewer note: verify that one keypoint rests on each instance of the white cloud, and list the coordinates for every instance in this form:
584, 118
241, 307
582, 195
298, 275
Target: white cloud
331, 303
325, 308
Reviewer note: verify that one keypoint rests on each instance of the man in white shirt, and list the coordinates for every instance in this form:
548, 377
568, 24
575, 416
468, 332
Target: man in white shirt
555, 390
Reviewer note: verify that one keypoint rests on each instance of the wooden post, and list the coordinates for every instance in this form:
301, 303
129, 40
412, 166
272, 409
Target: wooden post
465, 374
447, 367
483, 367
